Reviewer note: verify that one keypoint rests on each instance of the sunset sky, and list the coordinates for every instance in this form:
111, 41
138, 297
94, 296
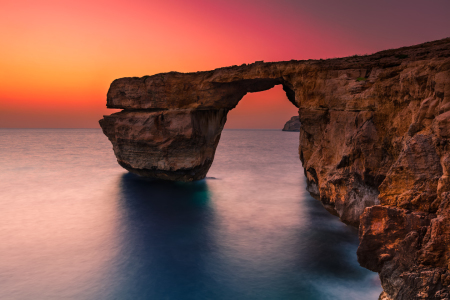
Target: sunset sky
57, 58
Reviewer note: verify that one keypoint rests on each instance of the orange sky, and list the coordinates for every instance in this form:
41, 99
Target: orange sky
57, 58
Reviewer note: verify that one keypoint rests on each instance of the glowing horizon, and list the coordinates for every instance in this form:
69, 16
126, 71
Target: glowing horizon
59, 57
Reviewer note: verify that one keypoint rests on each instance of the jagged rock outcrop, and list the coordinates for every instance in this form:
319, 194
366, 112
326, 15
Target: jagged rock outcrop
293, 124
374, 143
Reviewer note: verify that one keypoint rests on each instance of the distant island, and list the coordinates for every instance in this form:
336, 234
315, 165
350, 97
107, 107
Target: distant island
293, 124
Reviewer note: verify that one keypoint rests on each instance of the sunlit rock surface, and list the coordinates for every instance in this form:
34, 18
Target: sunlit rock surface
374, 143
293, 124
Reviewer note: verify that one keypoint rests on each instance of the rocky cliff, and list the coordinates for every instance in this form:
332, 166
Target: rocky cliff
293, 124
374, 143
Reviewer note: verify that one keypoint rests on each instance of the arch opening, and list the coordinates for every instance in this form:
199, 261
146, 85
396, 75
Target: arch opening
267, 109
169, 129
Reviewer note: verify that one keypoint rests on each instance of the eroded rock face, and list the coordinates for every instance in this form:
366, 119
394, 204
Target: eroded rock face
171, 145
293, 124
374, 143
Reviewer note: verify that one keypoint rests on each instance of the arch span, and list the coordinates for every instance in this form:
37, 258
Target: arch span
171, 123
268, 109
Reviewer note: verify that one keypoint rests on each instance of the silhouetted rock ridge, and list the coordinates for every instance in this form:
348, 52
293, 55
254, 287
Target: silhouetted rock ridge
293, 124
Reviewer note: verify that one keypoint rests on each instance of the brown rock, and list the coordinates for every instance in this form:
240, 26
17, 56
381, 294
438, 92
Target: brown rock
412, 181
171, 145
374, 143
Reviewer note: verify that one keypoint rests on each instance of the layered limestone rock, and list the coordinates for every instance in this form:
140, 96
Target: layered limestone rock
172, 145
374, 143
293, 124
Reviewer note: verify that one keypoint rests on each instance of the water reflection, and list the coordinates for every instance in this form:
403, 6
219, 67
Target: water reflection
193, 241
166, 238
326, 245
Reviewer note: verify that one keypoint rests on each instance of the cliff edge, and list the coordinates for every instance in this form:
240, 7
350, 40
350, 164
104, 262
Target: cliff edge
374, 144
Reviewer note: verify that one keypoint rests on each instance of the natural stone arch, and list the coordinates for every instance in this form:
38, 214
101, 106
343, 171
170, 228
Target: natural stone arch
174, 143
375, 130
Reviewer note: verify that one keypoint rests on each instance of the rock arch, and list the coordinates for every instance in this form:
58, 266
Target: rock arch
374, 143
173, 135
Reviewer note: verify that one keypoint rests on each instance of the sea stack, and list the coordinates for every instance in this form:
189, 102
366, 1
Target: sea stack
293, 124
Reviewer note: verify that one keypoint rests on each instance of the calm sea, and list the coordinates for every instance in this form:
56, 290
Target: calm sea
75, 225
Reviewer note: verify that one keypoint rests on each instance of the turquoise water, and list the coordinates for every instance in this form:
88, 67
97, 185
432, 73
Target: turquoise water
75, 225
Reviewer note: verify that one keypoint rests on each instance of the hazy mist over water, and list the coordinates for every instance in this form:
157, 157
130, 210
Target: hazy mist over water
75, 225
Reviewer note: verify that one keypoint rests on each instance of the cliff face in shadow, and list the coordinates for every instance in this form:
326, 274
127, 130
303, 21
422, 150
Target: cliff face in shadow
374, 143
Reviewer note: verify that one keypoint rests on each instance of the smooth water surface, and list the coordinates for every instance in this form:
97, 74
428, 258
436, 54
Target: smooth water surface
75, 225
